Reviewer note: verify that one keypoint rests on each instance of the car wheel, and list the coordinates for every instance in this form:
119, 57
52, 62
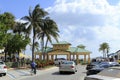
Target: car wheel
0, 75
73, 72
59, 63
60, 72
4, 74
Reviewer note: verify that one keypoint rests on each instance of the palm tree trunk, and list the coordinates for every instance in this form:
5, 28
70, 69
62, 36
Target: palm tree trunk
33, 49
104, 54
5, 55
5, 52
42, 45
46, 48
33, 44
46, 44
18, 59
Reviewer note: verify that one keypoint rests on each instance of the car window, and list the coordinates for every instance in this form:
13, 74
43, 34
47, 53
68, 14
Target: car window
60, 59
95, 63
56, 59
104, 65
110, 72
1, 63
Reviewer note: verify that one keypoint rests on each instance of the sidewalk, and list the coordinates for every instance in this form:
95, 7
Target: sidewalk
23, 72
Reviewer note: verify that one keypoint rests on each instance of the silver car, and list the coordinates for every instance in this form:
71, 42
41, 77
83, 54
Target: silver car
67, 66
58, 61
3, 68
112, 73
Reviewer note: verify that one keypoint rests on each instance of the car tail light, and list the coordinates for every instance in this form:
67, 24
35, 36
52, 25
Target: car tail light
72, 66
5, 66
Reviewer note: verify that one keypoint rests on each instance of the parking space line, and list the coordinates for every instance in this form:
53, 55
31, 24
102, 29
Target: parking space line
11, 76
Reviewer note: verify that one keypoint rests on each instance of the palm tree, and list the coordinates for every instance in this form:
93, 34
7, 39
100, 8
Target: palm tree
49, 31
104, 47
34, 21
81, 46
36, 45
19, 28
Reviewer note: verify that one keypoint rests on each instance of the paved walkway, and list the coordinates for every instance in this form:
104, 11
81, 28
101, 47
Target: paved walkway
17, 74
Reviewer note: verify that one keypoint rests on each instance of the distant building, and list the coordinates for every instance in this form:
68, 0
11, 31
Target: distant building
118, 54
1, 52
64, 48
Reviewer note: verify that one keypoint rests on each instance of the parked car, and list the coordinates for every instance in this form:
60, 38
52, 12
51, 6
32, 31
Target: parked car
91, 65
111, 73
110, 64
99, 67
67, 66
114, 64
3, 68
58, 61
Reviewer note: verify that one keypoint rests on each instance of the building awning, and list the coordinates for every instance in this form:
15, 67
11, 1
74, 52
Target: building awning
78, 50
112, 54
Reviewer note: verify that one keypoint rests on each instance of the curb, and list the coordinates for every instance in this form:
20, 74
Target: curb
17, 68
30, 68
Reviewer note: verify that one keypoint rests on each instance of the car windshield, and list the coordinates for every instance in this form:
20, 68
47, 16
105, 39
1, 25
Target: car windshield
95, 63
67, 62
111, 72
104, 65
60, 59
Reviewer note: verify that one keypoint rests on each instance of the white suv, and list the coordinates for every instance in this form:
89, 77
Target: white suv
3, 68
58, 61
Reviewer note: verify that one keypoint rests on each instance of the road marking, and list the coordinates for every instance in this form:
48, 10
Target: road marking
11, 76
23, 72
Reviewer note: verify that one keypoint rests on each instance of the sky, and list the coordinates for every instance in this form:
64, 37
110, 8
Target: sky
87, 22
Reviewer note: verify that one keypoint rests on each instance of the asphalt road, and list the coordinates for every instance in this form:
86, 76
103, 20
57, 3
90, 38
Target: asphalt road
48, 74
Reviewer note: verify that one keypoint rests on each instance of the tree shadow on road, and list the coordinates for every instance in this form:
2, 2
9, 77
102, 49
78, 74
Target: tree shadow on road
64, 73
26, 75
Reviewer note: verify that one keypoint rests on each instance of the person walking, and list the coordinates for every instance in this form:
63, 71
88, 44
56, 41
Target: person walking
33, 67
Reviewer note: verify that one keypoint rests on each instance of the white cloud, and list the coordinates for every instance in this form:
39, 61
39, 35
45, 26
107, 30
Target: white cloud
88, 22
107, 33
19, 20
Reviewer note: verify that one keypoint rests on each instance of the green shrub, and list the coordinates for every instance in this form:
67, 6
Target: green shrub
43, 63
15, 65
9, 64
12, 64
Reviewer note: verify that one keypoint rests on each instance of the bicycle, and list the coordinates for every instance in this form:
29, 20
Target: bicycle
31, 72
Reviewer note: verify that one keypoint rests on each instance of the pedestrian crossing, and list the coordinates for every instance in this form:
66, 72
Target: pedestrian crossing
15, 74
11, 76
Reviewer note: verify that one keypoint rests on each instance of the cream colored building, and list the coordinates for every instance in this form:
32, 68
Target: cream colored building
64, 48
